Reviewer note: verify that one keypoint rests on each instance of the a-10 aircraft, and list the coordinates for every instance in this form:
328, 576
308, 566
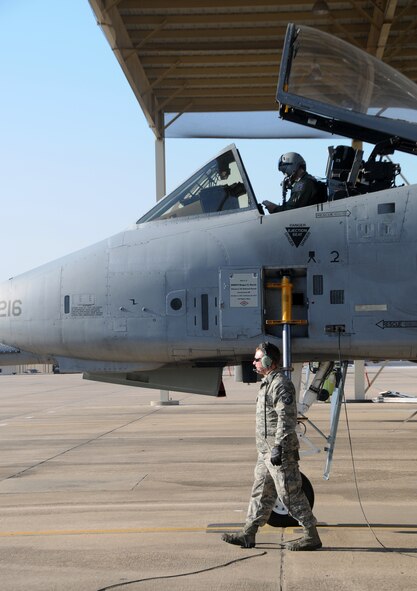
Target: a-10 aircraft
198, 282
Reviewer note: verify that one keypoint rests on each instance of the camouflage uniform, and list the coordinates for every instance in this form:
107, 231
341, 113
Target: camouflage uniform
276, 420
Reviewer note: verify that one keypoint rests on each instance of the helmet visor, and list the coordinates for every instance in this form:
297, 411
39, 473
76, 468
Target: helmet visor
285, 167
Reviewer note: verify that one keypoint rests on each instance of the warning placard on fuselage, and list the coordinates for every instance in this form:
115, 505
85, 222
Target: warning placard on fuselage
240, 307
244, 290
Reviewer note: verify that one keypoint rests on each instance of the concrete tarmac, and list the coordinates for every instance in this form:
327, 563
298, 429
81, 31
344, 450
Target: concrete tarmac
99, 490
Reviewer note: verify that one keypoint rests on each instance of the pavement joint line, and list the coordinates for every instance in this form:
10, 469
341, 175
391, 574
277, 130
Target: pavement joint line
83, 443
75, 532
207, 529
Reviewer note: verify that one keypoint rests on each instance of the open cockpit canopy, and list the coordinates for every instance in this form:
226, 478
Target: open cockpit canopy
220, 186
331, 85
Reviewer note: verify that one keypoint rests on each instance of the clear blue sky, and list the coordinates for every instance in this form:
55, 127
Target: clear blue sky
76, 154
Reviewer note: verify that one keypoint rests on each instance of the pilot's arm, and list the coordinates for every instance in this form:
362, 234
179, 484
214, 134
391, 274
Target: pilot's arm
271, 207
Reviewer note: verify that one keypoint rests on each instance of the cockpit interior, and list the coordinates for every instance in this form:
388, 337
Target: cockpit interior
220, 186
348, 174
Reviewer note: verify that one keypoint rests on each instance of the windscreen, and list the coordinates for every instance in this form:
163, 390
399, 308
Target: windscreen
217, 187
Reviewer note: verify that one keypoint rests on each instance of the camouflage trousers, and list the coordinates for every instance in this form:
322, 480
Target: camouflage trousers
283, 482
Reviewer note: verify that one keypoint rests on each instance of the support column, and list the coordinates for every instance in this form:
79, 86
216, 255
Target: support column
286, 307
164, 397
359, 368
160, 168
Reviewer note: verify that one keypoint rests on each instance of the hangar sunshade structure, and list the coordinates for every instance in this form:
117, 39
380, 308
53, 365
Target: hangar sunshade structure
220, 58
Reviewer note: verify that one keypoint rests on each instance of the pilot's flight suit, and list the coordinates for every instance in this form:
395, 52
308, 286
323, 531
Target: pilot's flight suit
276, 420
306, 191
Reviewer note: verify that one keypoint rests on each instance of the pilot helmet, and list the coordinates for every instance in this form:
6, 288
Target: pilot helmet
224, 172
290, 162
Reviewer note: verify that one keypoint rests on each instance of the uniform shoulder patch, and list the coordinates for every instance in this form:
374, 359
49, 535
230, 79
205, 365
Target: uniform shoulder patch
287, 398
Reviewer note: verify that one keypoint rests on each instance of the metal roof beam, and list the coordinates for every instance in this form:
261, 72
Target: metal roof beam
224, 55
216, 21
204, 6
384, 13
117, 37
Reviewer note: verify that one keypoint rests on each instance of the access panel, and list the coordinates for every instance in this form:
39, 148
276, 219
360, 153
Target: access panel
240, 303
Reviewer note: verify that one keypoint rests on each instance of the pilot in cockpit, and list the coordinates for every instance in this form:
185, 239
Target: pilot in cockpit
305, 188
224, 171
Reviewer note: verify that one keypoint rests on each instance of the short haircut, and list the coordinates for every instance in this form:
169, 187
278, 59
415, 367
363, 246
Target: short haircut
271, 351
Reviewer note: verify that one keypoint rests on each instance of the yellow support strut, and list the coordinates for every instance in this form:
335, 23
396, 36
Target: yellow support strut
286, 320
286, 303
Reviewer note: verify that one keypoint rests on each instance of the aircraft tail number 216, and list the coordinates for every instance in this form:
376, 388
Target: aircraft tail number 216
10, 308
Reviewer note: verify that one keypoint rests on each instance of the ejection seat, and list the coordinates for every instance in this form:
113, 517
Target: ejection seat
347, 174
343, 165
378, 174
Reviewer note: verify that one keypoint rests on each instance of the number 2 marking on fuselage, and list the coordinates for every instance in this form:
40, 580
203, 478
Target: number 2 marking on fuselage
336, 256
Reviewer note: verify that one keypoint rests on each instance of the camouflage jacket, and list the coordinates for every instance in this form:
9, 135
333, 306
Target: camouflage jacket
276, 415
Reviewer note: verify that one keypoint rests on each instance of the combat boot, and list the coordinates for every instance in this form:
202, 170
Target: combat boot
244, 539
310, 541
